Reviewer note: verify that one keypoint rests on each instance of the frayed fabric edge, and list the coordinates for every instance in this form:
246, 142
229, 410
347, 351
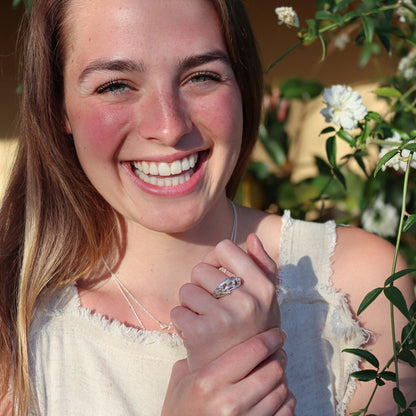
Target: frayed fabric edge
70, 299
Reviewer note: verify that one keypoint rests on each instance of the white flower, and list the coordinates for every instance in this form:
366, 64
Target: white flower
287, 16
399, 160
344, 106
407, 66
404, 13
381, 219
341, 41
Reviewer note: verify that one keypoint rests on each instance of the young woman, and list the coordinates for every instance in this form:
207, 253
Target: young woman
130, 283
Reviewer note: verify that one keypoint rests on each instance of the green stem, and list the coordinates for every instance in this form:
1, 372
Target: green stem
282, 56
396, 254
412, 329
365, 410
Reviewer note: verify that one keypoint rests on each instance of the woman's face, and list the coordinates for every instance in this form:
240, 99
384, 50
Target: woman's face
153, 106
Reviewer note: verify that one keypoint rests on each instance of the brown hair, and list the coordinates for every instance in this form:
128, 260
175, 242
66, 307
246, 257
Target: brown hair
54, 226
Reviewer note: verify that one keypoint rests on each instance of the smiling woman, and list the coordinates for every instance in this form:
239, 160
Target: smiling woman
130, 283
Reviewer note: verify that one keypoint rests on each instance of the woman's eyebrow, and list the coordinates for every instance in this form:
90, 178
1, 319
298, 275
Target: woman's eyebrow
197, 60
121, 65
128, 65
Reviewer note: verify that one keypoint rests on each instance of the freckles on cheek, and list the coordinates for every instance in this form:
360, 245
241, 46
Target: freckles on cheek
99, 130
221, 118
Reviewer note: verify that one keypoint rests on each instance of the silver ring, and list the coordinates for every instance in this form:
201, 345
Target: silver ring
226, 287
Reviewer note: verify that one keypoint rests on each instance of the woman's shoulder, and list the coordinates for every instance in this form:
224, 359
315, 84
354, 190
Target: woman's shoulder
362, 255
265, 225
362, 262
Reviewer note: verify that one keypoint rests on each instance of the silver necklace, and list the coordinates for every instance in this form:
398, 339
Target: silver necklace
127, 294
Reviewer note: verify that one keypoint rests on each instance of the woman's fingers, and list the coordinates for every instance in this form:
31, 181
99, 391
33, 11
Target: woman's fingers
256, 269
246, 380
256, 251
240, 361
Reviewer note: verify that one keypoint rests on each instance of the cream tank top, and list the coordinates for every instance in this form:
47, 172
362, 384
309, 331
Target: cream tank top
82, 364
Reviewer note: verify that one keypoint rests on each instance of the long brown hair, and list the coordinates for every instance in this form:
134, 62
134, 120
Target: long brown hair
54, 226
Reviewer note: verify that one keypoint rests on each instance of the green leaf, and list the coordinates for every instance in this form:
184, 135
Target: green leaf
388, 92
338, 174
331, 151
259, 169
385, 39
361, 163
368, 26
408, 357
15, 3
366, 355
369, 299
399, 398
409, 222
365, 134
385, 159
372, 115
398, 275
324, 46
411, 147
380, 382
397, 299
312, 31
275, 150
328, 130
301, 89
341, 5
413, 404
337, 19
344, 135
388, 375
349, 16
365, 375
323, 15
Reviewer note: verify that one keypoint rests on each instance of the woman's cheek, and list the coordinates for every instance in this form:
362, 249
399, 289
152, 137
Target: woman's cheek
100, 130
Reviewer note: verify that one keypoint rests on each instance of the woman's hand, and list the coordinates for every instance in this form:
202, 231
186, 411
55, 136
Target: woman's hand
246, 380
211, 326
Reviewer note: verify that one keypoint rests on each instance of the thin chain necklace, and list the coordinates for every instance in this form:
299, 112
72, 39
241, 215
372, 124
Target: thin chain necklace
127, 294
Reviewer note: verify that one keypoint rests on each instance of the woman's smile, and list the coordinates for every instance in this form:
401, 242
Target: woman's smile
166, 174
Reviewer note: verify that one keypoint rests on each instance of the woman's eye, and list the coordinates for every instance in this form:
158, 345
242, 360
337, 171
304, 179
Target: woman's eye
114, 87
204, 77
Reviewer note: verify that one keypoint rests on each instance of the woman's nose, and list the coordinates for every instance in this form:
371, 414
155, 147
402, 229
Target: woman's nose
163, 117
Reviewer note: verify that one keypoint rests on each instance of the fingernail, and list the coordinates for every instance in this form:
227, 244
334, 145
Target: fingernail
285, 335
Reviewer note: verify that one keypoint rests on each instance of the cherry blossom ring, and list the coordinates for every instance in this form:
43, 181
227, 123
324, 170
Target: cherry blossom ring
226, 287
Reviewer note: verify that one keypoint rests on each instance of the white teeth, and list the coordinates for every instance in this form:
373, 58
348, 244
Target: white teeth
166, 174
192, 161
185, 164
159, 181
176, 167
153, 170
145, 167
166, 169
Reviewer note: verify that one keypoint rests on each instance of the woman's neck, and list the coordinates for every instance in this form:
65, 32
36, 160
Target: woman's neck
158, 257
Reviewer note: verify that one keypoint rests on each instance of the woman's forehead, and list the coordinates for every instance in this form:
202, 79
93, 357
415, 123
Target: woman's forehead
111, 26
